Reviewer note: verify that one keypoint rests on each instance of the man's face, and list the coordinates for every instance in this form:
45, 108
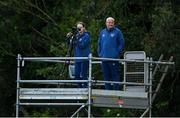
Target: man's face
110, 23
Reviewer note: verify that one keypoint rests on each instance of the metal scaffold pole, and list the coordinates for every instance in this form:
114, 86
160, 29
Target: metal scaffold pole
150, 90
17, 85
89, 86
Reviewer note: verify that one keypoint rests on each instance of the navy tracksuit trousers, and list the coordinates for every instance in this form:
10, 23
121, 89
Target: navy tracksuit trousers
111, 73
81, 69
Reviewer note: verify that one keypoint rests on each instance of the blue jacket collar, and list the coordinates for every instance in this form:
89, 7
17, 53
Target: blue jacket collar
109, 30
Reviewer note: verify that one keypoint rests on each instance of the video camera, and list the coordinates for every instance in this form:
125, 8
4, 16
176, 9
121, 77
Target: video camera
71, 36
75, 30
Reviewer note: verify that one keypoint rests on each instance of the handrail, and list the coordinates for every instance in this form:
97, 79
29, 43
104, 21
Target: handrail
58, 59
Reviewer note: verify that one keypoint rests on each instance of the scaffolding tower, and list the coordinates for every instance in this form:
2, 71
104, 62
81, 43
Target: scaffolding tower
136, 93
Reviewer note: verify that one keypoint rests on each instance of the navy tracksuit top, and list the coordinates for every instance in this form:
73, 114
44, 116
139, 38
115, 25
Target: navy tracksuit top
110, 43
82, 46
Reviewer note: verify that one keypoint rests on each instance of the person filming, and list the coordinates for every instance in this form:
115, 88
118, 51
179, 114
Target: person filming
81, 48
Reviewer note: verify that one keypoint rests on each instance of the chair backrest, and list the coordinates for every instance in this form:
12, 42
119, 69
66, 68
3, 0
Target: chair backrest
134, 71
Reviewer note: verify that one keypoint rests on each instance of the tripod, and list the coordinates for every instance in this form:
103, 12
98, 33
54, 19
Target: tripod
70, 42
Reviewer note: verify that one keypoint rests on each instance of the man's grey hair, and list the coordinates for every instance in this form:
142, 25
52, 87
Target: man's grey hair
110, 18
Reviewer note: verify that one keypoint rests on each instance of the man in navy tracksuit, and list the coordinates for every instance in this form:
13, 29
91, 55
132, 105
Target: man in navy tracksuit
81, 49
110, 45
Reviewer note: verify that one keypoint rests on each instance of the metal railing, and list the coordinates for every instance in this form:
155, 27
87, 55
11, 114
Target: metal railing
92, 60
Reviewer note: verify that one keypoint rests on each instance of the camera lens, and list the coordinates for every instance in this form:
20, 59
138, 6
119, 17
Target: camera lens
79, 29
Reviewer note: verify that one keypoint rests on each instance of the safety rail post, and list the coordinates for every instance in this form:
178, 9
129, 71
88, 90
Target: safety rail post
17, 85
89, 85
150, 88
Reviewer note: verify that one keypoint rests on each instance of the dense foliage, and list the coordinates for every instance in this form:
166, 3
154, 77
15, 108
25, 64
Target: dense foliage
39, 27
